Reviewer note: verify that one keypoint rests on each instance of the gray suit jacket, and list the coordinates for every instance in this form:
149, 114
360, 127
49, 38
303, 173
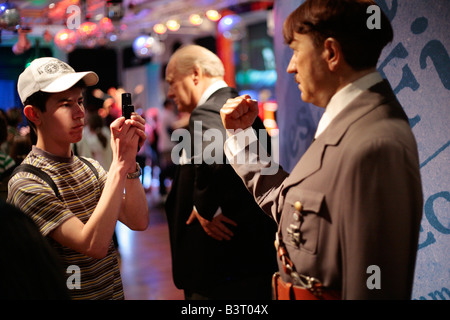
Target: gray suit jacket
360, 189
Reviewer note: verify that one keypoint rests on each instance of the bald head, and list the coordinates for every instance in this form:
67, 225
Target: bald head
187, 58
190, 71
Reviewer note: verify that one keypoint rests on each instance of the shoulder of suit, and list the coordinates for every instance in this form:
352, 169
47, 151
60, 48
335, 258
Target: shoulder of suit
217, 100
222, 93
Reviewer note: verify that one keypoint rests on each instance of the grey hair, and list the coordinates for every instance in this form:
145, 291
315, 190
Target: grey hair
190, 56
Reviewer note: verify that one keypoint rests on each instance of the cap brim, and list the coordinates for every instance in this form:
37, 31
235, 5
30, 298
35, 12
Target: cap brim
67, 81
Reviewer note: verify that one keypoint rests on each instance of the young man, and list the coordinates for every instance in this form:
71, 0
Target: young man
349, 212
80, 222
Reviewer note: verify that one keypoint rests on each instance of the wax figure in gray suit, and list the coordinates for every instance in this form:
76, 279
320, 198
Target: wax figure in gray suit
221, 242
349, 212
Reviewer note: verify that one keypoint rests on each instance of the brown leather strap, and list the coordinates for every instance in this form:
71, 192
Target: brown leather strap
287, 291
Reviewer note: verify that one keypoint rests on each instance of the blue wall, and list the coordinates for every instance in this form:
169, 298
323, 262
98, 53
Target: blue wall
417, 65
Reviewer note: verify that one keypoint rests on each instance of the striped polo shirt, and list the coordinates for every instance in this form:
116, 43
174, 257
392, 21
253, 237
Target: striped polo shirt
80, 192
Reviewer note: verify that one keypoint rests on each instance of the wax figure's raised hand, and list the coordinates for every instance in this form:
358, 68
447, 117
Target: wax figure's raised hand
239, 112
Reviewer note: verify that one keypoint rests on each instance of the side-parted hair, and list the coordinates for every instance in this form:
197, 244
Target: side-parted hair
190, 56
345, 21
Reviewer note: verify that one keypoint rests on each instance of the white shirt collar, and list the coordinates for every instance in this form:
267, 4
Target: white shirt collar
343, 97
210, 90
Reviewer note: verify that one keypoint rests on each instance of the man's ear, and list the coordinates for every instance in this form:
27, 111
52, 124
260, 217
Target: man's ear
333, 53
197, 74
33, 114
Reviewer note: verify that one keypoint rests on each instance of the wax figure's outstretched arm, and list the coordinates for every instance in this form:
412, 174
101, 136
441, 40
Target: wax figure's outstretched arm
258, 175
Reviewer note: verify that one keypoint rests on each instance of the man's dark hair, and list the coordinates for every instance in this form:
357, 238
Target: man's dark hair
345, 21
39, 100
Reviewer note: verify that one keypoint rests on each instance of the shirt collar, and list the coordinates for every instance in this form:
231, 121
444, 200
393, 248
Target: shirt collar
52, 156
210, 90
343, 97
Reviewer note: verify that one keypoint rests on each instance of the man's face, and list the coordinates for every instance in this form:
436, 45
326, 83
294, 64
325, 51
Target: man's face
310, 70
63, 120
181, 89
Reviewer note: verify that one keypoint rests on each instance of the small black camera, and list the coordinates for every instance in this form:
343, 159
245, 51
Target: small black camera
127, 107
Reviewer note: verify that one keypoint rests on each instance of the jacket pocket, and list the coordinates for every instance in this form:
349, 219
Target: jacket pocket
301, 219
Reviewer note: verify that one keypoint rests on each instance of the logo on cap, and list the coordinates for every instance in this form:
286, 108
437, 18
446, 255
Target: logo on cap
54, 67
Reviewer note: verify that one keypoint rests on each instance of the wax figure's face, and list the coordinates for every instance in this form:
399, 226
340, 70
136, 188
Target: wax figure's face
181, 88
308, 65
63, 119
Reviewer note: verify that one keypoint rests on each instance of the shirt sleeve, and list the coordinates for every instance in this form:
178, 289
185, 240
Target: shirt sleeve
238, 140
37, 200
262, 176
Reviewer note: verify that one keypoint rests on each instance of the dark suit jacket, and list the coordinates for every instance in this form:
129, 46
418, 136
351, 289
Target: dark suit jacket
360, 187
199, 262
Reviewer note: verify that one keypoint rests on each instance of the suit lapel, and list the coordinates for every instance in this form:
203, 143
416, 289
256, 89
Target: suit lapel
312, 159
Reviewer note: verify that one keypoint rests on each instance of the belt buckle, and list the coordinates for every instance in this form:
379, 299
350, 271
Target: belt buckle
310, 283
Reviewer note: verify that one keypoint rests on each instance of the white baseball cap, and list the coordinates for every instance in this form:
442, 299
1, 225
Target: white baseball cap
50, 75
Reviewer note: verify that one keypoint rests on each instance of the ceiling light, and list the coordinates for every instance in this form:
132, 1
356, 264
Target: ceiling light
159, 28
146, 46
173, 25
106, 25
195, 19
66, 40
213, 15
89, 34
87, 29
232, 27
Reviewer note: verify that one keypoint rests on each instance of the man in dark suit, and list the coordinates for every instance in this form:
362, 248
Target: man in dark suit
349, 212
221, 242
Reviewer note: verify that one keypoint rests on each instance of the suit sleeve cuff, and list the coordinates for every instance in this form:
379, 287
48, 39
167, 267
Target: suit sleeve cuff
218, 211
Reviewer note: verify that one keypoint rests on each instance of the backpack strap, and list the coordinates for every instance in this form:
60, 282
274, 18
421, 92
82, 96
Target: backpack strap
90, 165
25, 167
